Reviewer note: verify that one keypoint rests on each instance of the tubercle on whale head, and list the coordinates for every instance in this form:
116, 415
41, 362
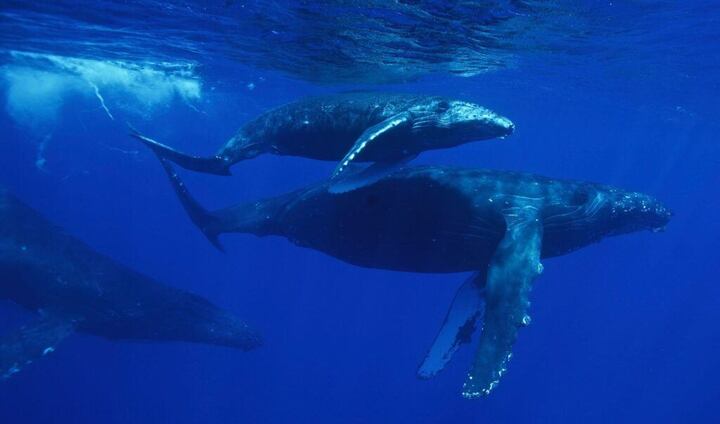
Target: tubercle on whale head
576, 214
637, 211
468, 121
614, 211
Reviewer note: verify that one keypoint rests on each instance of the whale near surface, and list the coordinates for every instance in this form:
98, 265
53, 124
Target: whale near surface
387, 129
439, 220
74, 288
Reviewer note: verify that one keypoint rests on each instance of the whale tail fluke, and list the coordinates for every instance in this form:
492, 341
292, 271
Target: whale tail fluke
216, 165
206, 221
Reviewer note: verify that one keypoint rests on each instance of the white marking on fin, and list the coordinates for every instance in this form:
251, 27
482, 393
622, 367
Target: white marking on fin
370, 134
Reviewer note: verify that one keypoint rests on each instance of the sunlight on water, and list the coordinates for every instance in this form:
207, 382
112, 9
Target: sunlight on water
39, 84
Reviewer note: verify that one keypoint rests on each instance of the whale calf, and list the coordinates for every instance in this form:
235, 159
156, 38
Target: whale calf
386, 129
73, 288
439, 220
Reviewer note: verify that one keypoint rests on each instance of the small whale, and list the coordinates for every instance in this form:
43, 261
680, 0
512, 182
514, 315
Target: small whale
73, 288
385, 129
440, 220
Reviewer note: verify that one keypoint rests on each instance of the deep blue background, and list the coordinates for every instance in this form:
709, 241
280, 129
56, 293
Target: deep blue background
622, 331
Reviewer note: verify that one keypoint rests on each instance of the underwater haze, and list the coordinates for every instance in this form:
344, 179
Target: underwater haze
623, 93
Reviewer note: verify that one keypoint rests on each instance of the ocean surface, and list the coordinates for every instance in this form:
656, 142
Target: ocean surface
625, 93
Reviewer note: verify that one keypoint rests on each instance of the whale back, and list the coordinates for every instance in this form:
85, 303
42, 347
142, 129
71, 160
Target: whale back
323, 127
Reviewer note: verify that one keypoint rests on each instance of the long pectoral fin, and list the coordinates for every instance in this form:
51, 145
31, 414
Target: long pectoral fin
514, 266
366, 176
460, 322
372, 134
31, 342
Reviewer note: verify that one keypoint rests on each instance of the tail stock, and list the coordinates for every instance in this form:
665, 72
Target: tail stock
216, 165
204, 220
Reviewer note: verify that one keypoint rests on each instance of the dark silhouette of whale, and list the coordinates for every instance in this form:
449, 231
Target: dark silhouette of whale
436, 219
74, 288
387, 129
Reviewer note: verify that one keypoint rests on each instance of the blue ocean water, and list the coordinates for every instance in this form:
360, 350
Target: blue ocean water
618, 93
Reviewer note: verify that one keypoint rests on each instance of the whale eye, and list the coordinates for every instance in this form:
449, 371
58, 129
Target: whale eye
580, 197
443, 106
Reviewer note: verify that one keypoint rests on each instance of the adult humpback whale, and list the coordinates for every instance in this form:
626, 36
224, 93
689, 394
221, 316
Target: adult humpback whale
74, 288
387, 129
435, 219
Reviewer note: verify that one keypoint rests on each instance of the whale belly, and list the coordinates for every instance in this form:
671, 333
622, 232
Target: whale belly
405, 227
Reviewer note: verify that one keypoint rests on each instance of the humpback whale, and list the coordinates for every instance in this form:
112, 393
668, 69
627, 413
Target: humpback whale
386, 129
440, 220
73, 288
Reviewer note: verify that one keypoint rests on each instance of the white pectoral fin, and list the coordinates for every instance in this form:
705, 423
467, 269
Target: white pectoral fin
366, 176
466, 308
514, 266
372, 134
32, 341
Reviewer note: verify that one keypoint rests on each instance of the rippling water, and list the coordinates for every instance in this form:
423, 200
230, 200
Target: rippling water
368, 41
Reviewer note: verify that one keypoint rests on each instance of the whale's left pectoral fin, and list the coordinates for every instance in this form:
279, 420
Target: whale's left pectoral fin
514, 266
32, 341
460, 322
371, 135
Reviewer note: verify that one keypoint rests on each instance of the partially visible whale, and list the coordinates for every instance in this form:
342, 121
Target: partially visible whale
440, 220
73, 288
387, 129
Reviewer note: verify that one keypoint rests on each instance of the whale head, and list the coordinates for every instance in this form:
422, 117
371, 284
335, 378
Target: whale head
453, 122
631, 211
196, 320
582, 213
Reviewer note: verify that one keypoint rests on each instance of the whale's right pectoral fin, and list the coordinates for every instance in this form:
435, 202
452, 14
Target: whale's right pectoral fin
371, 135
460, 322
514, 266
366, 176
32, 341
